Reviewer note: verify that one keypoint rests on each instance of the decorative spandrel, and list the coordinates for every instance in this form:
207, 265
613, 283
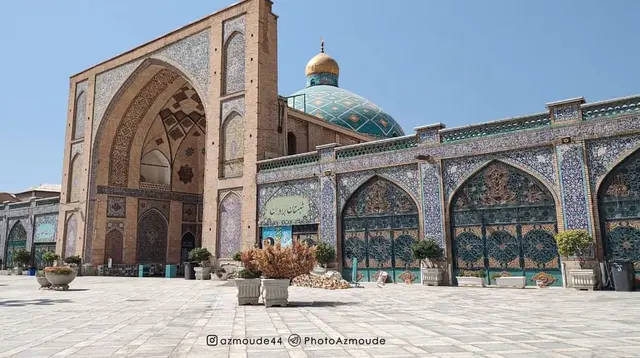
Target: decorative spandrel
505, 193
379, 197
619, 207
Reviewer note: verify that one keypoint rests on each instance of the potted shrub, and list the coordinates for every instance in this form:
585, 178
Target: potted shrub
427, 250
21, 258
49, 258
74, 262
279, 265
237, 256
248, 280
201, 255
325, 254
471, 278
504, 279
42, 280
60, 276
576, 243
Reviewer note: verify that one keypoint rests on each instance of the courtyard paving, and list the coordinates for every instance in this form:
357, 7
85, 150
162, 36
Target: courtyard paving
155, 317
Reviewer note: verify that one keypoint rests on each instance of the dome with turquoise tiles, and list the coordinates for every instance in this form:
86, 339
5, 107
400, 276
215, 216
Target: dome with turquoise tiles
324, 99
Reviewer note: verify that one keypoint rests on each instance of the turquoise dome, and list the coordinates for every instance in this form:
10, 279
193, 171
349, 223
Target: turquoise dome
324, 99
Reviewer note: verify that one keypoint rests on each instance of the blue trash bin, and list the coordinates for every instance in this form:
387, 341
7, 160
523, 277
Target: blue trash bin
32, 271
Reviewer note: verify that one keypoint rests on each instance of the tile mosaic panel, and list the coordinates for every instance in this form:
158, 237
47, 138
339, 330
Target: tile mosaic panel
46, 226
71, 236
80, 112
405, 176
328, 210
121, 148
232, 105
75, 177
234, 54
233, 147
115, 225
153, 231
230, 234
573, 187
433, 217
76, 148
234, 64
116, 207
604, 154
309, 188
189, 212
538, 161
566, 113
191, 55
145, 205
150, 194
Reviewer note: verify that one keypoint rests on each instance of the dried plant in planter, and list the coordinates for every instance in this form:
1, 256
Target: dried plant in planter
249, 259
277, 262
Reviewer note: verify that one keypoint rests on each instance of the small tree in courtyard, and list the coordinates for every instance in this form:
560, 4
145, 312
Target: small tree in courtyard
427, 250
574, 243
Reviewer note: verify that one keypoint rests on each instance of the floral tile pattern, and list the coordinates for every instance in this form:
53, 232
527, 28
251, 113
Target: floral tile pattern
573, 187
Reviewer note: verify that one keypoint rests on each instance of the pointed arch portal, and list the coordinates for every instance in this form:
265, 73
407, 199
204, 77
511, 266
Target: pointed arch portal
17, 240
619, 208
503, 220
379, 225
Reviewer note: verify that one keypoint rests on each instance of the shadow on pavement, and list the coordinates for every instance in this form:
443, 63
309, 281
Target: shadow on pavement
321, 304
37, 302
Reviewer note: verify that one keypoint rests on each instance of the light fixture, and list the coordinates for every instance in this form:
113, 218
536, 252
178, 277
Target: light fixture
566, 140
327, 172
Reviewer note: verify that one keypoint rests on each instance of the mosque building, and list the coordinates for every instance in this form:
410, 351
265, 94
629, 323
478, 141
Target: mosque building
185, 142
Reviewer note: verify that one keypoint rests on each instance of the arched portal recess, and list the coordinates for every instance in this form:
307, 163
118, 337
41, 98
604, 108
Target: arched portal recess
17, 240
379, 225
502, 222
619, 208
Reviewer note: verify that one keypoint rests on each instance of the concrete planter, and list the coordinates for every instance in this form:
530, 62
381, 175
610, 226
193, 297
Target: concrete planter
43, 282
583, 279
202, 273
319, 270
275, 292
470, 281
59, 281
248, 290
432, 276
512, 282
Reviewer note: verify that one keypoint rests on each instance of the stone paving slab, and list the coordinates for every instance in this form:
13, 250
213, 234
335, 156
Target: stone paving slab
149, 317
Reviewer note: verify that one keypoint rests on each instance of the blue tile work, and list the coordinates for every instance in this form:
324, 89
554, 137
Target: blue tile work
328, 211
537, 161
566, 113
234, 56
339, 106
190, 55
433, 217
573, 187
604, 154
80, 113
404, 176
46, 228
309, 188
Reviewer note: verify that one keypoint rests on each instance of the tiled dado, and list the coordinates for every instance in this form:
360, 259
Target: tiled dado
150, 194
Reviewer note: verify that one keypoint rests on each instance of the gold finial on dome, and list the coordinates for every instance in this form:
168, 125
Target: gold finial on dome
322, 63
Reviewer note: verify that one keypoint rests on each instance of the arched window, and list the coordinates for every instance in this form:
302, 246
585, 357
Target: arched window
291, 143
155, 168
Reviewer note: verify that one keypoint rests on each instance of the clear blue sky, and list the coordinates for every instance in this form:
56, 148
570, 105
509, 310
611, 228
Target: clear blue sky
423, 61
